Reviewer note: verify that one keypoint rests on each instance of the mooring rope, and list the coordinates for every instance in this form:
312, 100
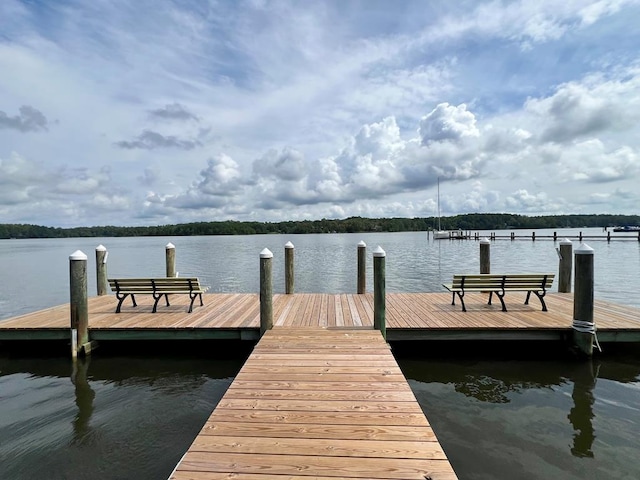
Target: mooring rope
587, 327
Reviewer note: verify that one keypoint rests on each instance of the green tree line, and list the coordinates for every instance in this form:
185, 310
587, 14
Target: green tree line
473, 221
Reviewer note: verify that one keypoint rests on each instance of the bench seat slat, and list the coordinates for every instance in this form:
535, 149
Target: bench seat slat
536, 283
158, 287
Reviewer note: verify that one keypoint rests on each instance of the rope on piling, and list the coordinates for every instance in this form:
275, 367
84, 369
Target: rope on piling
587, 327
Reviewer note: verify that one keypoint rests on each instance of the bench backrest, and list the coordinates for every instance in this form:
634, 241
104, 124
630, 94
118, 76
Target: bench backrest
154, 284
515, 280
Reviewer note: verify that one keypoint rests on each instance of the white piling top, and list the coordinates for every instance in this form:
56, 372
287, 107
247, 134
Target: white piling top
101, 248
169, 246
288, 245
566, 241
266, 253
583, 249
484, 241
78, 255
361, 243
379, 252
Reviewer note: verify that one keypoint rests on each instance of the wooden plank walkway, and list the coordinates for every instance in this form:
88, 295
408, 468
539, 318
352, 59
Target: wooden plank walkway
409, 316
317, 403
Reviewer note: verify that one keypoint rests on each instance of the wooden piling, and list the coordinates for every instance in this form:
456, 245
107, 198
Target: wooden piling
170, 254
266, 291
101, 270
79, 309
565, 268
583, 325
485, 256
288, 268
533, 236
379, 291
362, 267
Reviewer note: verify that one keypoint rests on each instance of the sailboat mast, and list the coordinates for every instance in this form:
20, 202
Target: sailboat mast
439, 204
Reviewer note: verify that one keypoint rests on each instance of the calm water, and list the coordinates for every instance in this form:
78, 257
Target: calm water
134, 417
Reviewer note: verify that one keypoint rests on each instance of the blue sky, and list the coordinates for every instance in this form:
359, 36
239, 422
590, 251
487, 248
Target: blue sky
115, 112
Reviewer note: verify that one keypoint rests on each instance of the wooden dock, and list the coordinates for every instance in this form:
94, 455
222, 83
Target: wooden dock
409, 316
317, 403
322, 396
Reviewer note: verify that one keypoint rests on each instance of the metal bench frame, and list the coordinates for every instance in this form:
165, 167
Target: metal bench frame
158, 288
500, 284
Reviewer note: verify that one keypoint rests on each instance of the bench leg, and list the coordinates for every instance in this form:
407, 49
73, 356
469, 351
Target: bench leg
193, 297
121, 297
541, 298
526, 302
460, 295
501, 297
156, 298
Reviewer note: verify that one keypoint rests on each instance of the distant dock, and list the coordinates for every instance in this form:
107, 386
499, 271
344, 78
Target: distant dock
523, 235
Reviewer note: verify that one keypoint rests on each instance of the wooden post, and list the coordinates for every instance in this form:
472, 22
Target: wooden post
266, 291
555, 236
288, 268
608, 237
79, 309
170, 255
583, 326
101, 269
533, 236
580, 237
485, 256
513, 236
379, 291
565, 252
362, 267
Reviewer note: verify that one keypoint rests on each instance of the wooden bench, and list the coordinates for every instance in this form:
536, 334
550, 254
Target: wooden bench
537, 283
158, 288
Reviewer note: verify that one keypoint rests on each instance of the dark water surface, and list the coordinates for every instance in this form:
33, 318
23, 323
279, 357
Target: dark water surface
112, 418
511, 418
123, 416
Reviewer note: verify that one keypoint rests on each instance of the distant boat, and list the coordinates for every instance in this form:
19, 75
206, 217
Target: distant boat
440, 234
627, 228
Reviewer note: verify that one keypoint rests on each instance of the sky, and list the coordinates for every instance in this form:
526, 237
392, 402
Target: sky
154, 112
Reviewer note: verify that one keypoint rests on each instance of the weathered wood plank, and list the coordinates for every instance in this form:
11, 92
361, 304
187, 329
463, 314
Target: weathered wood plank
316, 408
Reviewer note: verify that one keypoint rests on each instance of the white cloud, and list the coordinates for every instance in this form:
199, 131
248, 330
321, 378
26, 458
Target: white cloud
448, 123
250, 110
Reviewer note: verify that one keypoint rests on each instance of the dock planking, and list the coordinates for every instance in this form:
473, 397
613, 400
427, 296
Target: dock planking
314, 402
409, 316
322, 396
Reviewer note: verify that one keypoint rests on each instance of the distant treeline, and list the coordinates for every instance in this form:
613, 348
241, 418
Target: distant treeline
474, 221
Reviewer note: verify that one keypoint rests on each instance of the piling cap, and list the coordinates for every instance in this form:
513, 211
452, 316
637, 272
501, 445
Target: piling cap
379, 252
170, 245
583, 249
361, 243
101, 248
288, 245
484, 241
77, 255
566, 241
266, 253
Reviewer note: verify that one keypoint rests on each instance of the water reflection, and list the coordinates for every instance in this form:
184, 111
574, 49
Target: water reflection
547, 412
84, 399
108, 417
581, 414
